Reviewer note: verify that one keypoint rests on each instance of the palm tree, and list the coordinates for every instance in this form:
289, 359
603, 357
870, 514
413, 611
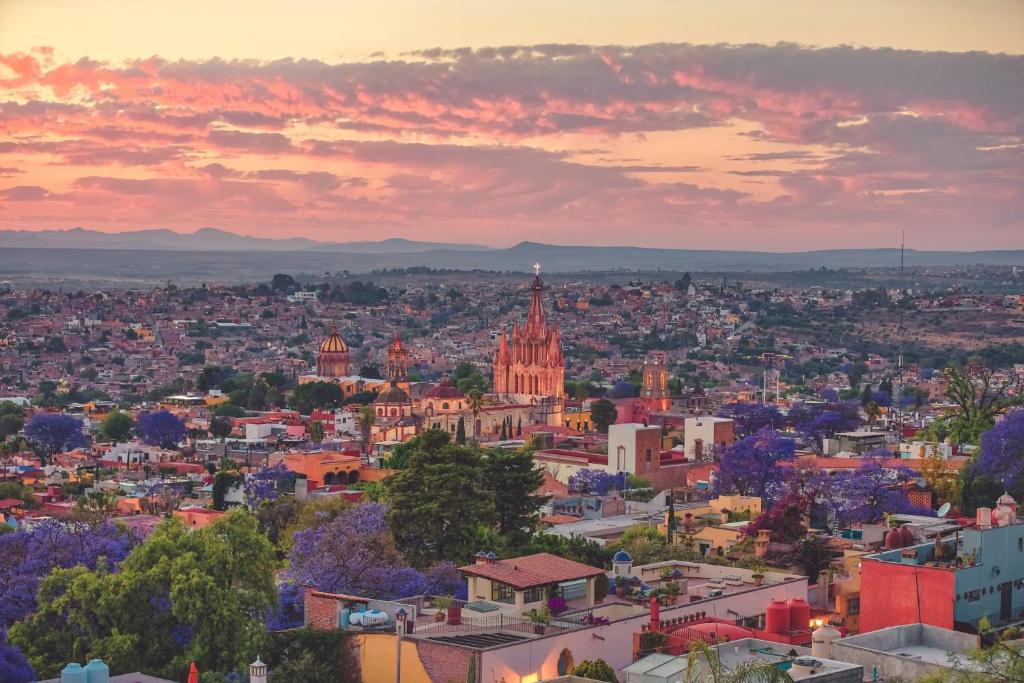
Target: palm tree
316, 431
873, 411
365, 421
475, 401
703, 665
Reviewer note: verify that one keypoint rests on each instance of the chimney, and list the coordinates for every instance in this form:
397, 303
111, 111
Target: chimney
480, 558
655, 615
258, 671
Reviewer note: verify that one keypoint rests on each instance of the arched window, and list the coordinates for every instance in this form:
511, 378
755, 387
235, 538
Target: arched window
329, 479
380, 412
353, 476
444, 406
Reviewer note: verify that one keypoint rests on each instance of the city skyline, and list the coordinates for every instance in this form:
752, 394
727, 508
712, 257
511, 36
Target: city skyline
589, 132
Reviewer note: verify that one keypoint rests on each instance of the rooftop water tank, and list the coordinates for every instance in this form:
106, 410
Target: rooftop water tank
776, 617
97, 672
822, 639
799, 615
73, 673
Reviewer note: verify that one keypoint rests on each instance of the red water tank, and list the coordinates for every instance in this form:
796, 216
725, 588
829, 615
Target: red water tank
907, 536
799, 614
776, 617
893, 539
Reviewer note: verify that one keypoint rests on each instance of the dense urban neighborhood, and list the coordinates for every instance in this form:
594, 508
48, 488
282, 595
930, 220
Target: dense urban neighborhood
425, 475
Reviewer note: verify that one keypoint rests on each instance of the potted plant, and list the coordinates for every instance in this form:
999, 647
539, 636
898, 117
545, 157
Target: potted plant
442, 603
758, 578
971, 557
540, 618
620, 585
672, 591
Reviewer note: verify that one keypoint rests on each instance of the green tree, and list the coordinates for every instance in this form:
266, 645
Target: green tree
316, 431
703, 664
227, 477
437, 503
220, 427
311, 396
513, 478
475, 403
12, 419
312, 656
980, 397
228, 409
211, 586
365, 421
597, 669
116, 427
460, 432
602, 414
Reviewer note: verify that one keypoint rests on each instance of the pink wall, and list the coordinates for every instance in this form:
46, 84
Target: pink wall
614, 643
892, 594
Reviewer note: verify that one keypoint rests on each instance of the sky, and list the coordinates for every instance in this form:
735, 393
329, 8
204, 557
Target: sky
720, 124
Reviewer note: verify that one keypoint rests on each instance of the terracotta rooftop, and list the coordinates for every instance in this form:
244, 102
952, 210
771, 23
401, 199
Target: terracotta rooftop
6, 503
531, 570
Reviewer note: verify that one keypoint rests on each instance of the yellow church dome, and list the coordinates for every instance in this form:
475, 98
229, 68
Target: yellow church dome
333, 343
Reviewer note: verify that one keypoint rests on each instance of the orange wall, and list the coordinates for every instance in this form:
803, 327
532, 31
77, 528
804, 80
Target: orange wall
891, 595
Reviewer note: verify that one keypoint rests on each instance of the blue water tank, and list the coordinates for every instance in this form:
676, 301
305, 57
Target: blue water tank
343, 620
74, 673
97, 672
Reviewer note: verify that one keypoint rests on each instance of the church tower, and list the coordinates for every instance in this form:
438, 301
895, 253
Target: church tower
530, 367
333, 359
654, 391
398, 363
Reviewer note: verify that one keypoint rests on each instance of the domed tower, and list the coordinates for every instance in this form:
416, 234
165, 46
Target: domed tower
333, 359
398, 363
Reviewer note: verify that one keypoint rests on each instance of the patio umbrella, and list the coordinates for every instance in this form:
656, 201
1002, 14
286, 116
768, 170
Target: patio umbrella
193, 674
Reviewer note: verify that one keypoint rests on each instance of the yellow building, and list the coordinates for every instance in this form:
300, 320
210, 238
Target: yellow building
578, 420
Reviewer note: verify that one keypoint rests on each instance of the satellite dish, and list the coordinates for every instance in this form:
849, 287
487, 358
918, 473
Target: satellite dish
944, 510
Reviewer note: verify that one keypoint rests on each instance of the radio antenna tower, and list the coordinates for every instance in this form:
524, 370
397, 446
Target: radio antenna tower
897, 398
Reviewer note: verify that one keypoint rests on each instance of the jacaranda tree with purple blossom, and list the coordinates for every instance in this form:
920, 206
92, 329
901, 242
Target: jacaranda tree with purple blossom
14, 668
51, 433
595, 482
868, 493
999, 467
753, 466
27, 556
267, 483
160, 428
748, 418
355, 554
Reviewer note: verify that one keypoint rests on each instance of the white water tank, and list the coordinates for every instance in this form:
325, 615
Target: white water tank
822, 639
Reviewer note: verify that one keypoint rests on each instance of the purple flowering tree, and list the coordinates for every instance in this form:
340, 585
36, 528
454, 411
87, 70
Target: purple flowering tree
26, 557
160, 428
594, 482
268, 483
815, 423
355, 554
51, 433
1002, 452
14, 668
868, 493
753, 466
749, 418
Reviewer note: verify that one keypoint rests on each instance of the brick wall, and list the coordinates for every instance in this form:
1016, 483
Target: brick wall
443, 662
321, 609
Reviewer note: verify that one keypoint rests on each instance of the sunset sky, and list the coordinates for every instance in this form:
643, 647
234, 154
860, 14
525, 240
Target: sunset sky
770, 125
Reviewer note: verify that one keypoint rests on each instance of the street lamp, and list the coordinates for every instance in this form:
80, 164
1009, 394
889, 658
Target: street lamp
400, 616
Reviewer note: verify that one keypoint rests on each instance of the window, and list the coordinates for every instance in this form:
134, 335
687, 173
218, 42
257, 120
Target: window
535, 594
648, 456
565, 662
972, 596
853, 606
502, 592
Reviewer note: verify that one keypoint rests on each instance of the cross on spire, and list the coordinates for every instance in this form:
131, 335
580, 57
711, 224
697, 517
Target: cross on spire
536, 269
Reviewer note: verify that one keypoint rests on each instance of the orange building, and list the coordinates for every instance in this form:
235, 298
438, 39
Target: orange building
197, 518
322, 468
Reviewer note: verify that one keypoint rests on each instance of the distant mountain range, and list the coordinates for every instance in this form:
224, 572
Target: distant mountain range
206, 239
218, 255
